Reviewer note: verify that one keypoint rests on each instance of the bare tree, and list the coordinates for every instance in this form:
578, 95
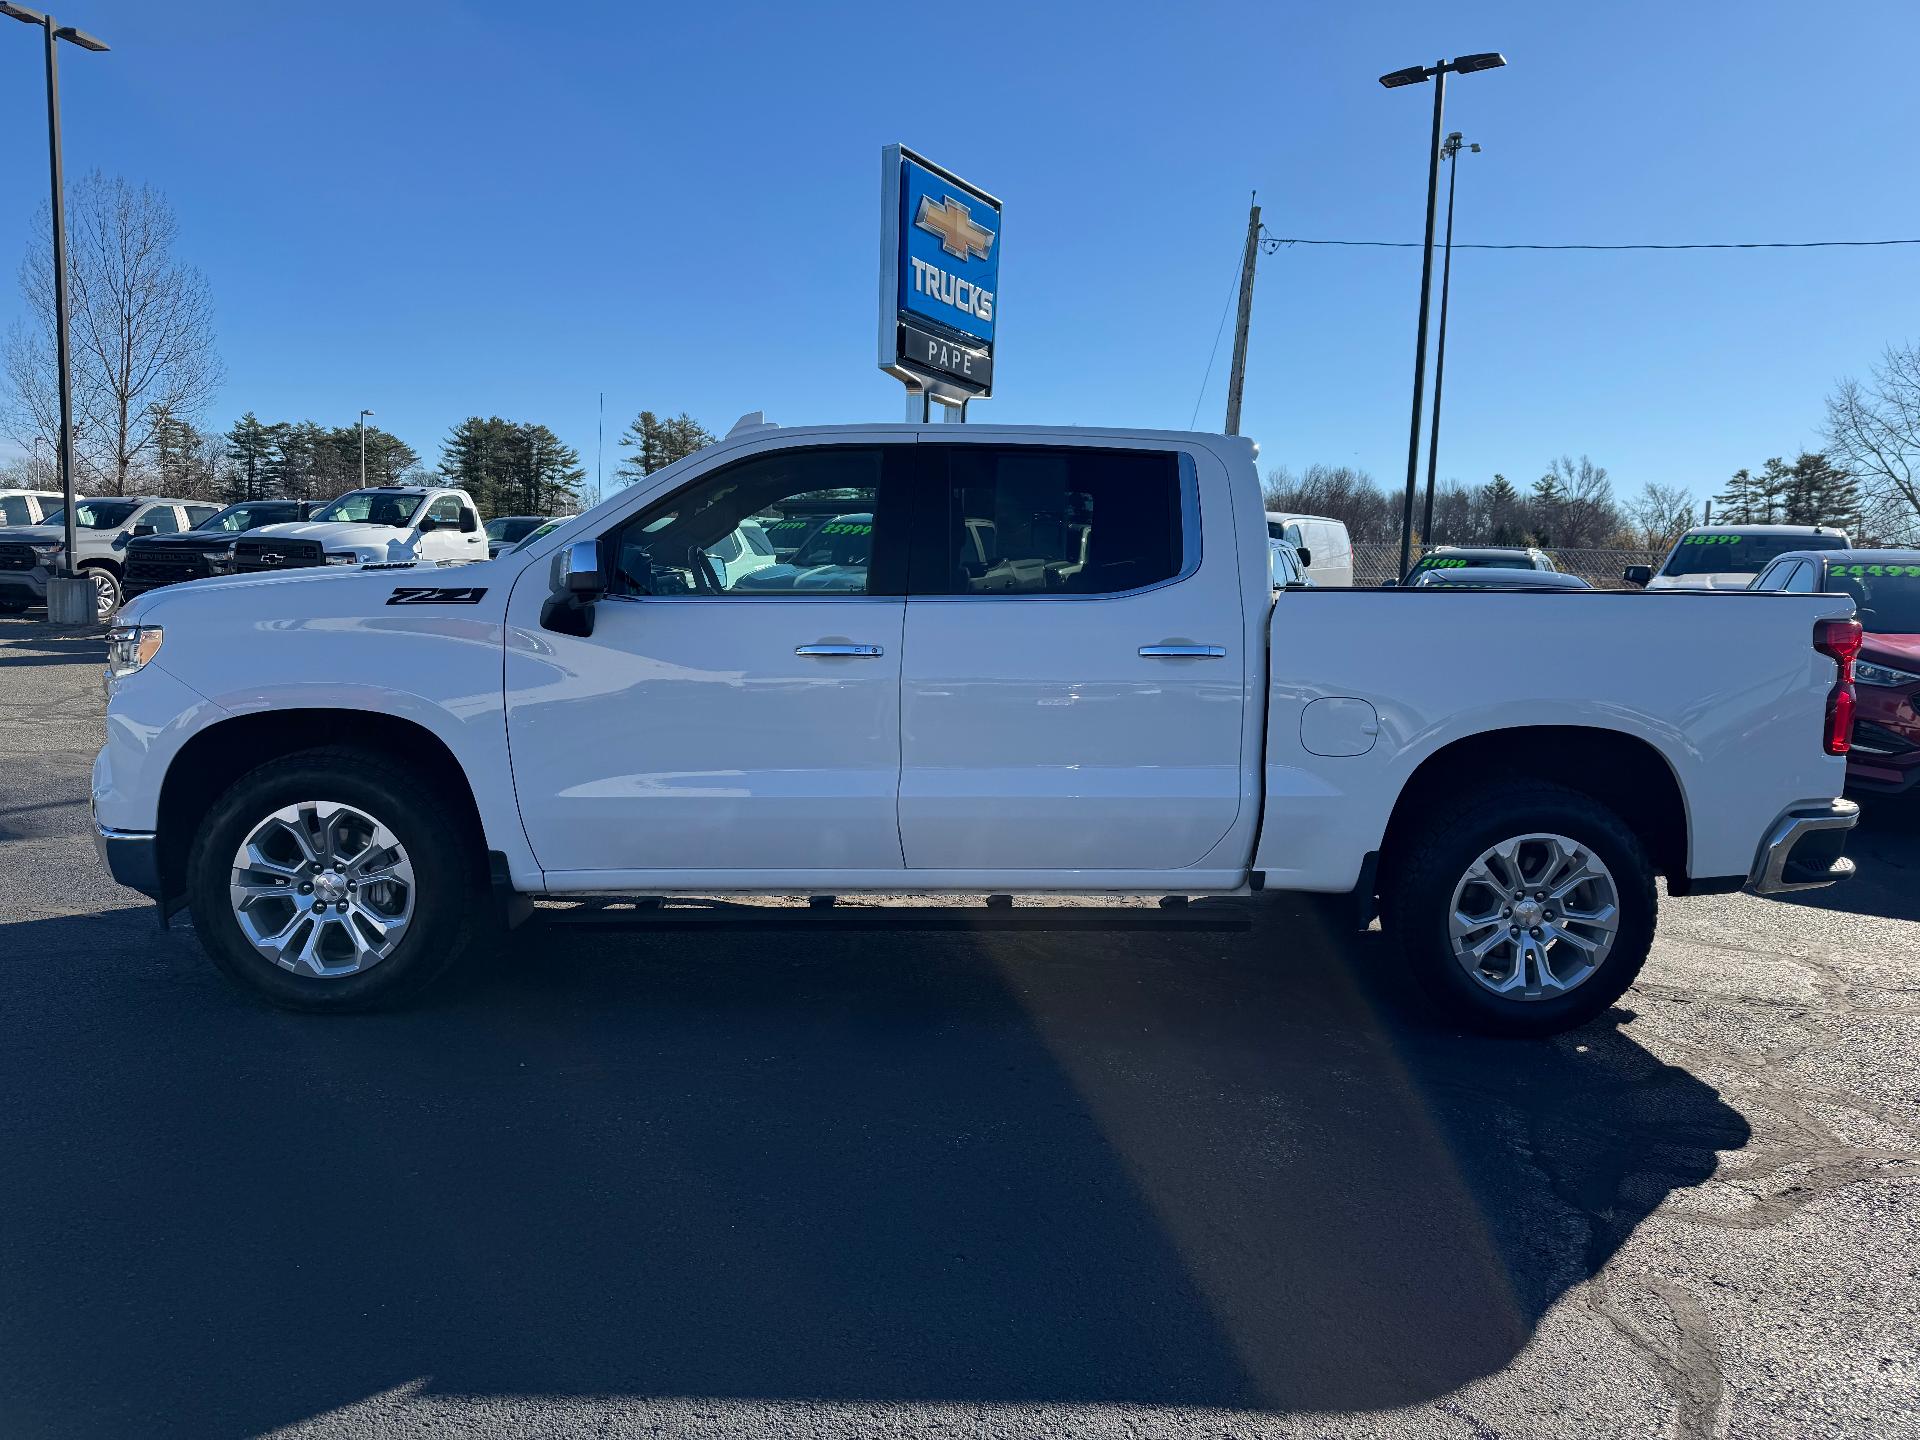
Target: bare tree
141, 325
1873, 433
1661, 515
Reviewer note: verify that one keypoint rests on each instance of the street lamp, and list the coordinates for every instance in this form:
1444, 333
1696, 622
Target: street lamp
55, 33
1415, 75
1451, 153
363, 448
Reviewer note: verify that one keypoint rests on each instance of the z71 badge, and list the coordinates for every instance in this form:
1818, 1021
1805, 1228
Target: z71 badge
435, 595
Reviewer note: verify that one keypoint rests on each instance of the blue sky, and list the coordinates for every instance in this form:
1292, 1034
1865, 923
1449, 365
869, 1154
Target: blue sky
437, 208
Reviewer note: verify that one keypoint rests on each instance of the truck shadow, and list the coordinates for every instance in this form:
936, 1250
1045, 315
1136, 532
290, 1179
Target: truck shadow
1180, 1170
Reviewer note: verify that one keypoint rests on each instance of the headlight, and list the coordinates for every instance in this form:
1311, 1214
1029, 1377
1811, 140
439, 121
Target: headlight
342, 557
129, 647
47, 554
1867, 673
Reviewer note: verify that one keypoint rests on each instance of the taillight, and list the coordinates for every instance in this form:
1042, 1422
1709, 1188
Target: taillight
1839, 640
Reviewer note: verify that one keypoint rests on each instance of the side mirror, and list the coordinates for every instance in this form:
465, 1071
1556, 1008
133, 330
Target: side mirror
140, 530
1306, 556
1389, 584
580, 572
469, 522
427, 523
1637, 575
578, 581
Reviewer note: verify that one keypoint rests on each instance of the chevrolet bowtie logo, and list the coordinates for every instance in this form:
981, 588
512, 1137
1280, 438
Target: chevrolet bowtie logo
959, 236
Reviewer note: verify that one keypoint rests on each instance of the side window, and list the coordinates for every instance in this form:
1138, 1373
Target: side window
1030, 520
1773, 577
161, 517
817, 514
1806, 579
1294, 537
198, 513
15, 510
446, 511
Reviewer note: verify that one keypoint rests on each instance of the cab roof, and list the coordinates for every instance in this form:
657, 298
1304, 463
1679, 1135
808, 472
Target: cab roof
1766, 530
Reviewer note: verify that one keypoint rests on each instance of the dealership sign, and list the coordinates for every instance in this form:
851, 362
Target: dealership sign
939, 278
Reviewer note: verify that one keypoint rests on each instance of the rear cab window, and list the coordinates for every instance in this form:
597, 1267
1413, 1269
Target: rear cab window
1021, 521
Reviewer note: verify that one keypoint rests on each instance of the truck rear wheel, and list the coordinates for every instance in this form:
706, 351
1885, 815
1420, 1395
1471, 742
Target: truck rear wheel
1527, 915
330, 880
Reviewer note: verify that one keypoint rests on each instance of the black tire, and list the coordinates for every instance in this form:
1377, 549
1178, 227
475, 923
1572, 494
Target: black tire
1418, 892
13, 607
107, 596
450, 896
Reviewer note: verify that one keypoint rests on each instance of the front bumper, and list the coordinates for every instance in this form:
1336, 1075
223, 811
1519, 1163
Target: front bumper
132, 857
28, 586
1803, 849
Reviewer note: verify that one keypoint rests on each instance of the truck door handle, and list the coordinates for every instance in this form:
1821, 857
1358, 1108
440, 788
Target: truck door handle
1184, 652
837, 650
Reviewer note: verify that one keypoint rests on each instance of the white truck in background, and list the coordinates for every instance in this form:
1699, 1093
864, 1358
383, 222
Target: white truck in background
335, 768
380, 525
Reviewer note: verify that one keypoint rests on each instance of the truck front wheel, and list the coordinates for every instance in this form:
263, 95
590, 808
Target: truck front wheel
330, 880
1528, 911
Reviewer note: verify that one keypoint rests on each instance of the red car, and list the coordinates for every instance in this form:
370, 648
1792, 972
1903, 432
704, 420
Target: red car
1885, 586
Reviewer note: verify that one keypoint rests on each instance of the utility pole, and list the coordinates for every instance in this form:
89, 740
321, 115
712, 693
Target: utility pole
1237, 377
363, 447
599, 446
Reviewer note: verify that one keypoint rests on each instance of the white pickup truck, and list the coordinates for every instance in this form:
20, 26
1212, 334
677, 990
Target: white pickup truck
1036, 661
380, 525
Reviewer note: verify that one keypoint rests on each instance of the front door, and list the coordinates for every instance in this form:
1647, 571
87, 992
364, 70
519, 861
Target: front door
722, 718
1073, 697
446, 540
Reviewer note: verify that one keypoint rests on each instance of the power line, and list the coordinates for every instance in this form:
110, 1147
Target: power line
1238, 266
1274, 242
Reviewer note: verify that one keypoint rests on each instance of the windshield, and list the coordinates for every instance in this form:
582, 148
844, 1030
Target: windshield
95, 514
371, 507
844, 540
1739, 554
512, 527
236, 518
1887, 597
1473, 562
541, 529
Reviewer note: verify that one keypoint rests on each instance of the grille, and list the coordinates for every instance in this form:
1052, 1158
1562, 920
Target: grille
254, 556
17, 557
1879, 740
149, 569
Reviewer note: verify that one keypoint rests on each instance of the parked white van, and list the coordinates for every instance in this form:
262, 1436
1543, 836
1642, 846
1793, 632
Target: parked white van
1325, 548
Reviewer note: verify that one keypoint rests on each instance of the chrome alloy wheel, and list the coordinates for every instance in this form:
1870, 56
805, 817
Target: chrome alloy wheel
1534, 917
106, 596
322, 889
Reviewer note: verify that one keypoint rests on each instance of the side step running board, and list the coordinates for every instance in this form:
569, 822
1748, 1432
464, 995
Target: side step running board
651, 914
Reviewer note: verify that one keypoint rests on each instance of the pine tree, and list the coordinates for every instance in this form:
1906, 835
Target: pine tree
1773, 488
657, 443
250, 453
1823, 494
1737, 502
1501, 503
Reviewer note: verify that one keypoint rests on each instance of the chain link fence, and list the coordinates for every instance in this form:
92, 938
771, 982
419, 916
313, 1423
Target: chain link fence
1375, 564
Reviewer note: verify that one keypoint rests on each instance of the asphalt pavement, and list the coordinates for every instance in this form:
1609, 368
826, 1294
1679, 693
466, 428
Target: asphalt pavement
966, 1183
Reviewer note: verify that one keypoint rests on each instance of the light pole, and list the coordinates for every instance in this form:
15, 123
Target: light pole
1450, 151
54, 34
1415, 75
363, 447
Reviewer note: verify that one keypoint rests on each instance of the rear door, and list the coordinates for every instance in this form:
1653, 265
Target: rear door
1073, 690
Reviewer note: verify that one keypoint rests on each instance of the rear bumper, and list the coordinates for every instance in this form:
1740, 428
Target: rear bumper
1803, 849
